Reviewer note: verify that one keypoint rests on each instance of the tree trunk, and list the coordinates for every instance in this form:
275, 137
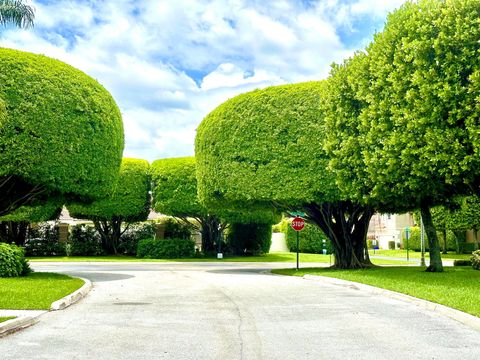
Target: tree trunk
475, 238
110, 233
14, 232
433, 244
346, 225
211, 234
444, 234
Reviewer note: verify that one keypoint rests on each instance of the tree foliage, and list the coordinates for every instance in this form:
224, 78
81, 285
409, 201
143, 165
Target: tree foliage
175, 194
60, 131
129, 202
264, 150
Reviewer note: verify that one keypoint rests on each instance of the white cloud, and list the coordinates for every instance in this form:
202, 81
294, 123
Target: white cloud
169, 63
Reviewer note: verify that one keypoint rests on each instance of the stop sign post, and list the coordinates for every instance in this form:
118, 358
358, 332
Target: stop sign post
298, 224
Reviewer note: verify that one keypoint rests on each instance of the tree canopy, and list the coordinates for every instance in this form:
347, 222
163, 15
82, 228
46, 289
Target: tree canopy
16, 12
129, 202
60, 131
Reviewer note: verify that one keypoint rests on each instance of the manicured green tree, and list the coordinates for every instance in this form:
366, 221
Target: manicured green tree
60, 132
466, 217
415, 102
129, 203
264, 150
14, 226
16, 12
175, 194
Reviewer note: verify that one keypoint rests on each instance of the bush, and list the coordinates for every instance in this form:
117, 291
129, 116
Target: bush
12, 261
130, 238
311, 239
459, 262
476, 260
467, 248
43, 241
175, 229
391, 245
85, 241
166, 248
249, 239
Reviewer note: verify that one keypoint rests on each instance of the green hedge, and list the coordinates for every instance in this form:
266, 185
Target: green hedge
310, 238
414, 240
249, 239
476, 260
166, 248
85, 241
12, 261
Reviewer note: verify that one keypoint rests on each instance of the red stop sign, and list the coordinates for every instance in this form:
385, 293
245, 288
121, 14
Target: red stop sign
298, 224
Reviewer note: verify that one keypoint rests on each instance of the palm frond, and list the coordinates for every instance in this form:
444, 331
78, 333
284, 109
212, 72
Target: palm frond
16, 12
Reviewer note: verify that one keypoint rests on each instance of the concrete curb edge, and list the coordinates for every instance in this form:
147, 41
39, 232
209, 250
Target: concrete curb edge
73, 297
460, 316
13, 325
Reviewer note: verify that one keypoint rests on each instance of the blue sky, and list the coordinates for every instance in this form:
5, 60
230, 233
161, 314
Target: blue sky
169, 63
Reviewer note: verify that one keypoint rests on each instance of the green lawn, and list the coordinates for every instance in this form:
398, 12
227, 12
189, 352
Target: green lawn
417, 255
272, 257
2, 319
456, 287
36, 291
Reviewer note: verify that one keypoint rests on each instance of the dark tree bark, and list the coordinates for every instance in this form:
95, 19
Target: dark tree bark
211, 230
14, 232
346, 225
433, 243
110, 233
444, 234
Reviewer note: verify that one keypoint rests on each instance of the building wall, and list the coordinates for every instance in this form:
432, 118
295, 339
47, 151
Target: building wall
388, 227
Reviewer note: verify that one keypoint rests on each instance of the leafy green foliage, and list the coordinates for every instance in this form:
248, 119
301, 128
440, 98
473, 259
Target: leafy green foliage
59, 128
135, 233
175, 187
12, 261
249, 239
17, 12
264, 147
476, 260
175, 229
166, 249
85, 240
44, 241
129, 200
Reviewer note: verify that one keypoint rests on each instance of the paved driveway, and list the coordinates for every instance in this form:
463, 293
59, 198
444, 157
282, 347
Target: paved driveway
231, 311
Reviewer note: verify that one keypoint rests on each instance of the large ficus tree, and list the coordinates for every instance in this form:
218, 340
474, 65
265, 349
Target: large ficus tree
129, 203
265, 149
175, 194
61, 132
413, 120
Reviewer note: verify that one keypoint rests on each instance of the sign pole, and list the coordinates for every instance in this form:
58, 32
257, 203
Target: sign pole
298, 243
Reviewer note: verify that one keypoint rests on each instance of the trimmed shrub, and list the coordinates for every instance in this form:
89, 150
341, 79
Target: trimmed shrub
467, 248
249, 239
476, 260
311, 239
459, 262
85, 241
43, 241
175, 229
391, 245
166, 248
130, 238
12, 261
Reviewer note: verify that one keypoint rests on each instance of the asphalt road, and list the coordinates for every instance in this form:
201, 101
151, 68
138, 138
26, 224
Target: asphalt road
232, 311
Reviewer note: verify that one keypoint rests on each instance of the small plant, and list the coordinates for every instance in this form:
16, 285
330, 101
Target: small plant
12, 261
166, 248
85, 241
130, 238
476, 260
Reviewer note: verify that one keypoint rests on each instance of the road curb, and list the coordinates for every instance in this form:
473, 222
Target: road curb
73, 297
19, 323
460, 316
22, 322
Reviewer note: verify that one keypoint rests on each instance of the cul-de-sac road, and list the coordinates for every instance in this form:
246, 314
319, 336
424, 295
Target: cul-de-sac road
232, 311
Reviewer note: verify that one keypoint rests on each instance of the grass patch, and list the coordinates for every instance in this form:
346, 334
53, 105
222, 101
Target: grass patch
6, 318
417, 255
36, 291
271, 257
456, 287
